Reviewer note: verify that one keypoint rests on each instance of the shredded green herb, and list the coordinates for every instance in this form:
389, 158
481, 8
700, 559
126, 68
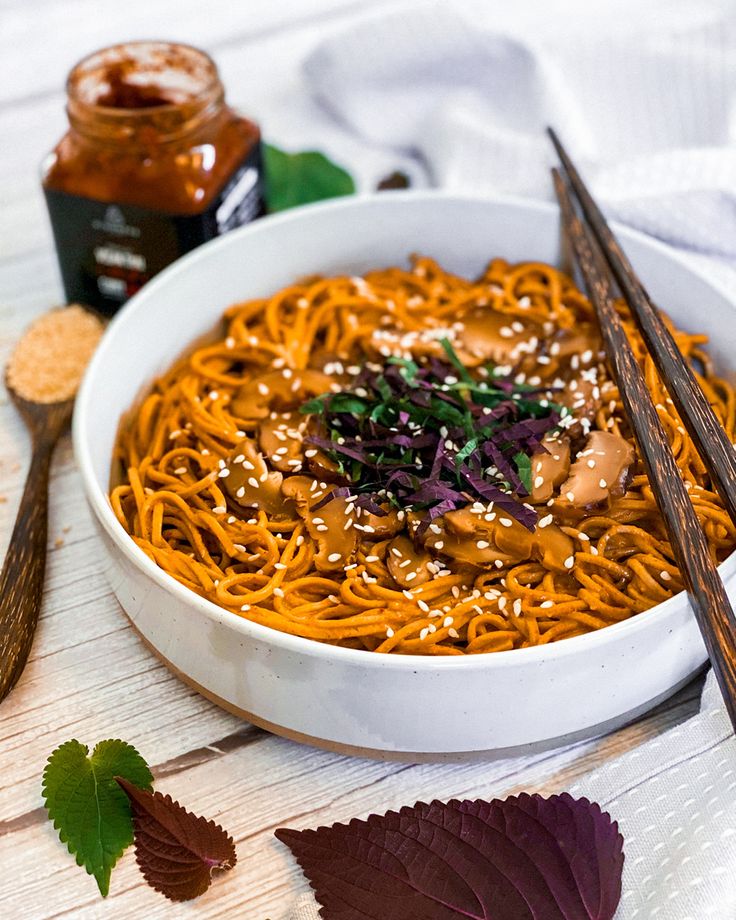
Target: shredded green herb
432, 436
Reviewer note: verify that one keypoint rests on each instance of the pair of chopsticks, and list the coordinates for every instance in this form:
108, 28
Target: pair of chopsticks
600, 259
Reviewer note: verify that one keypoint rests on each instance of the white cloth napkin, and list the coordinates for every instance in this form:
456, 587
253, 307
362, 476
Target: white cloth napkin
643, 96
675, 801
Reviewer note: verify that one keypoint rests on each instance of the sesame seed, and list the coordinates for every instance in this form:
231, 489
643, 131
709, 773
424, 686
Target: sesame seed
546, 520
591, 464
517, 607
569, 562
423, 633
180, 470
263, 388
280, 566
253, 482
334, 557
372, 559
482, 544
223, 473
453, 633
389, 633
547, 604
505, 522
602, 483
538, 482
665, 576
570, 496
279, 592
245, 607
502, 603
219, 509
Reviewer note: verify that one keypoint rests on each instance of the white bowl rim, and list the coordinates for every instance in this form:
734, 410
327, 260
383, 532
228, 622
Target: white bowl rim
312, 648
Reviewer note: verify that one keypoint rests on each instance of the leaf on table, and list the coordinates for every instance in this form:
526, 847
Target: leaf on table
88, 808
176, 851
300, 178
523, 858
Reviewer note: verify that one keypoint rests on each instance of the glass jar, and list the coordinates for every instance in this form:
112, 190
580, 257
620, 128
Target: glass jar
154, 163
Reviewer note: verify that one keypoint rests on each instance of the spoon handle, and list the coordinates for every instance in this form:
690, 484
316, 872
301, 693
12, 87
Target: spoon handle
21, 580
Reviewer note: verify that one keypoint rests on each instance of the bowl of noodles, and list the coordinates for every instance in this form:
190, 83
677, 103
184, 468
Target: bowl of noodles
362, 476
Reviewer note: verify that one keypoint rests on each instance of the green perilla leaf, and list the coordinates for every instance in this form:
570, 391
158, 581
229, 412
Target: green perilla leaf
301, 178
88, 808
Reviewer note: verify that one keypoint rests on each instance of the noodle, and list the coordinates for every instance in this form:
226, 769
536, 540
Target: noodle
176, 450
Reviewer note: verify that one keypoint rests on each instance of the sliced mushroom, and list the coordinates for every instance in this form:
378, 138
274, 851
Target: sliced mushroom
583, 398
406, 563
323, 467
380, 526
280, 437
579, 340
278, 391
250, 482
329, 526
550, 467
599, 471
488, 335
553, 548
468, 537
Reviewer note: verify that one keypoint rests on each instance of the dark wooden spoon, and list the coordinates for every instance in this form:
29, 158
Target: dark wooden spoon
22, 577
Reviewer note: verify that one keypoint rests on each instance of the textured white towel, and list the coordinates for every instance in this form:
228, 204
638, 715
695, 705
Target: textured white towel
643, 96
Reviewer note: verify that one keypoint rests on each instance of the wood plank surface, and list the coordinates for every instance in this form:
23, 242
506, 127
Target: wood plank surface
89, 677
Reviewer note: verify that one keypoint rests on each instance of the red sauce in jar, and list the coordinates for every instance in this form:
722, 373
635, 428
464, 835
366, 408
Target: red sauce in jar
154, 163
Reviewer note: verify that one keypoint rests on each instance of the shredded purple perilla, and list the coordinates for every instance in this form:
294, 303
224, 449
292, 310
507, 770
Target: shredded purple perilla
430, 437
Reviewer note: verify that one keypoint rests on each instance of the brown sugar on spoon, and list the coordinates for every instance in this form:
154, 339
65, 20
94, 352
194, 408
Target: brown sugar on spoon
42, 377
50, 359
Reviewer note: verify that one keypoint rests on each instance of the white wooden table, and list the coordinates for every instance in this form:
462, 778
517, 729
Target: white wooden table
89, 677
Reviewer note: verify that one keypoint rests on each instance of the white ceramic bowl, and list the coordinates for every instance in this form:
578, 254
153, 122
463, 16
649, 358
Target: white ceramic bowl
392, 706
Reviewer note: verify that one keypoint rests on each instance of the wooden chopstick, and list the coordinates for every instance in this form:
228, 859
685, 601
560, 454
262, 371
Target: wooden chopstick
710, 439
708, 596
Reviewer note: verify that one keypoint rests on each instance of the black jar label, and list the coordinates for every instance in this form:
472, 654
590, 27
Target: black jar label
107, 252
